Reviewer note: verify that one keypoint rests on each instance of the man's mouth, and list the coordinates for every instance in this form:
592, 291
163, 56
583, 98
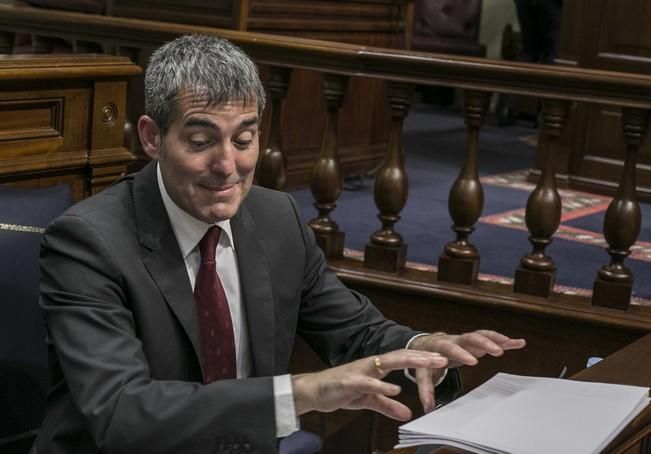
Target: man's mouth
220, 189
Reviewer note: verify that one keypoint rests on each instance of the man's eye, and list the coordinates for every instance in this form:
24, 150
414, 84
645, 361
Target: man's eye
199, 144
242, 144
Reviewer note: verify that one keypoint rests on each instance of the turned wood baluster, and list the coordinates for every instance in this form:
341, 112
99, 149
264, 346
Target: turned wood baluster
86, 47
272, 165
614, 282
42, 44
6, 42
536, 273
326, 179
386, 249
459, 262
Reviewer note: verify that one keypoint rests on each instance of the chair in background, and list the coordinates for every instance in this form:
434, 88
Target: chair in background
448, 27
24, 214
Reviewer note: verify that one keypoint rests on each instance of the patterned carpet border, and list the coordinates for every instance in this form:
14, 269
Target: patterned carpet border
359, 255
575, 204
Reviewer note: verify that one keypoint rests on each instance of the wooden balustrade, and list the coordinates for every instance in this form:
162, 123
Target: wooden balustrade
326, 177
386, 249
85, 47
557, 86
42, 44
459, 262
536, 273
614, 282
6, 42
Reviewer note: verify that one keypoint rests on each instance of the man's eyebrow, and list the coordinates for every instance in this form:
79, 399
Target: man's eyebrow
200, 122
204, 123
250, 121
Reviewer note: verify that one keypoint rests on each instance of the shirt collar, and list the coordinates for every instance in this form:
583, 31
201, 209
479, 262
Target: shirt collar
188, 229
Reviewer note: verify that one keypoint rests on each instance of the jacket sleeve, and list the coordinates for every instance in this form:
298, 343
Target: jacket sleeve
94, 332
341, 324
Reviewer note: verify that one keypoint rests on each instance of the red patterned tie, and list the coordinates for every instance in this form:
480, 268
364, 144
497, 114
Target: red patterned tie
217, 343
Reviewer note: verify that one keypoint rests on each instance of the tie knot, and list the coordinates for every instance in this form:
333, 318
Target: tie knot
208, 244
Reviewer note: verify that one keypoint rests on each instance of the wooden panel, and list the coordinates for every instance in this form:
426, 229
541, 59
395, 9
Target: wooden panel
611, 35
624, 36
214, 13
569, 48
327, 15
31, 119
60, 122
41, 140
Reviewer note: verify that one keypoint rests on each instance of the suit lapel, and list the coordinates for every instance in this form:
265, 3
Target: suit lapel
165, 262
257, 295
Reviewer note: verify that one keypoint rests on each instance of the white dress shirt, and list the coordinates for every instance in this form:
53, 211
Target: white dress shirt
189, 231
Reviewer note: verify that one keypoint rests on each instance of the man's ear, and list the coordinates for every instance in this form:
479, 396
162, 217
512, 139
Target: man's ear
150, 136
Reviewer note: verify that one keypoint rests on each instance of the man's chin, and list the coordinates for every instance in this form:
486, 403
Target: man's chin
220, 214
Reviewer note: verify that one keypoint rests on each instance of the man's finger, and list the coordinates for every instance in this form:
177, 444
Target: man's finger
387, 406
456, 353
503, 341
425, 389
369, 385
404, 359
514, 344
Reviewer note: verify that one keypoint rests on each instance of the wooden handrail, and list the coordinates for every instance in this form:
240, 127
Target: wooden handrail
553, 83
62, 67
576, 84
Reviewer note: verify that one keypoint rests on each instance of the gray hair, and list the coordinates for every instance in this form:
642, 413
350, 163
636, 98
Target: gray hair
212, 68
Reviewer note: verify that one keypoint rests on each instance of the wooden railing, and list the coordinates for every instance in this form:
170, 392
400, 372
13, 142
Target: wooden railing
557, 86
562, 329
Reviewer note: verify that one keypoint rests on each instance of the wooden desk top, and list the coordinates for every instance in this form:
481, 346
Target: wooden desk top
629, 366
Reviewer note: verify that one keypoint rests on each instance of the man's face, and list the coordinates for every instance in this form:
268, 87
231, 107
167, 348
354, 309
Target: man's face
208, 156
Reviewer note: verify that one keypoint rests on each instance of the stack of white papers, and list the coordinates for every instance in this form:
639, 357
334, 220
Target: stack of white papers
530, 415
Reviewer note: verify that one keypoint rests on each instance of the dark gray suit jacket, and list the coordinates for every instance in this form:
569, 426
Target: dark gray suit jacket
121, 316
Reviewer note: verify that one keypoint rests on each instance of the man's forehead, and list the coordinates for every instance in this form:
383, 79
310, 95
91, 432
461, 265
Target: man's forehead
202, 101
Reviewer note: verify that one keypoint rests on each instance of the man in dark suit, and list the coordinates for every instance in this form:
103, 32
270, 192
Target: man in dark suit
160, 347
540, 26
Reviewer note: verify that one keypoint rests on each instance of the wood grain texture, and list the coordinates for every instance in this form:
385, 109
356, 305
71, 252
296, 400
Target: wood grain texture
607, 35
62, 120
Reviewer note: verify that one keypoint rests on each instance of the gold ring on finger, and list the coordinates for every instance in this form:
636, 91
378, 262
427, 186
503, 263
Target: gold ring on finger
378, 364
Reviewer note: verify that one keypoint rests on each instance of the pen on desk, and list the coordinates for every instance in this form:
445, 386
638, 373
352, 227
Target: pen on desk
563, 372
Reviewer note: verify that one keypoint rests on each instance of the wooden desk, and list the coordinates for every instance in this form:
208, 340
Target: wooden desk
629, 366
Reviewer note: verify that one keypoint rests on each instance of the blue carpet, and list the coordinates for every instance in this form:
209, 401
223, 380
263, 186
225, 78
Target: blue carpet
434, 148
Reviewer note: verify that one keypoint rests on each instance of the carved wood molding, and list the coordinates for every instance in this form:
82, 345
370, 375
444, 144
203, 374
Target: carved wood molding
492, 296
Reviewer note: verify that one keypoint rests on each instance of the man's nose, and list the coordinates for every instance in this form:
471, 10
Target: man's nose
223, 160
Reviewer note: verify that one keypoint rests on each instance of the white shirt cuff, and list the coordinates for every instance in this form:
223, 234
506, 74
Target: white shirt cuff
286, 419
411, 377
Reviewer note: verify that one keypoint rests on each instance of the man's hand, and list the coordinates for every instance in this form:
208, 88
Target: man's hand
459, 349
358, 385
